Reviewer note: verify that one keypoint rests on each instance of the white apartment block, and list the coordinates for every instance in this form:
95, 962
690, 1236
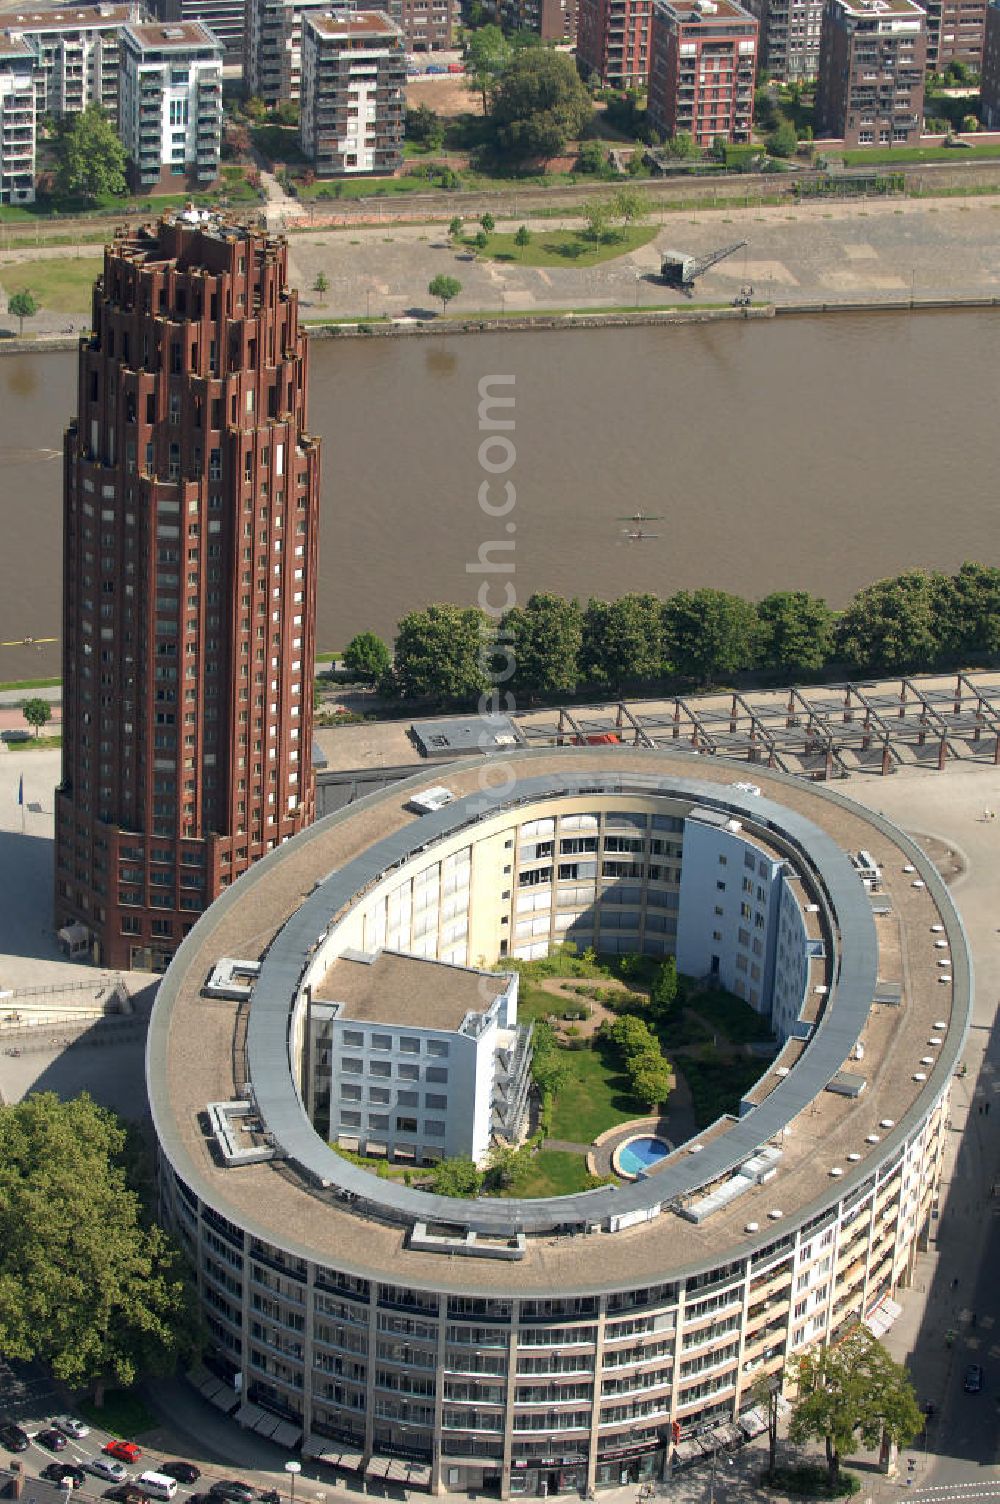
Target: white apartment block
416, 1060
76, 54
353, 105
171, 105
17, 121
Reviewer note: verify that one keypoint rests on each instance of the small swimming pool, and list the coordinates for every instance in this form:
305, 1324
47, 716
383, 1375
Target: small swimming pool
633, 1158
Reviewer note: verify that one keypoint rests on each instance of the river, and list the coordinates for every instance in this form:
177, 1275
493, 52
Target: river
800, 453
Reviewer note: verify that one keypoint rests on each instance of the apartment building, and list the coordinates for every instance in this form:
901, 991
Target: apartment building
226, 20
704, 61
416, 1060
353, 103
427, 25
77, 55
788, 44
272, 58
613, 40
17, 121
990, 79
171, 105
190, 517
552, 20
871, 77
956, 31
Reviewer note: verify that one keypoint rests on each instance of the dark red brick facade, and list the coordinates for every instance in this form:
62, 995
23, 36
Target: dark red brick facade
190, 554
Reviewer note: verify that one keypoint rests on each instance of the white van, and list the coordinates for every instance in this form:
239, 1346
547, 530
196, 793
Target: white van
158, 1485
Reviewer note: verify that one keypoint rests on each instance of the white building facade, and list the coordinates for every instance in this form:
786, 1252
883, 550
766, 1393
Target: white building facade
353, 105
17, 121
171, 105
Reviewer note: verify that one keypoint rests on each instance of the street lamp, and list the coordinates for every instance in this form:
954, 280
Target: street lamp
293, 1469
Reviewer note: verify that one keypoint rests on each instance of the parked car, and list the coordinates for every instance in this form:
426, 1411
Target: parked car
64, 1472
13, 1438
51, 1438
124, 1451
127, 1493
234, 1490
456, 67
973, 1381
106, 1467
70, 1426
184, 1472
436, 68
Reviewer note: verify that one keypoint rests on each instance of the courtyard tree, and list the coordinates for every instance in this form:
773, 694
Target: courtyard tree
783, 140
852, 1391
367, 657
37, 712
321, 284
441, 654
455, 227
539, 104
544, 638
765, 1393
664, 991
456, 1177
482, 240
89, 1287
651, 1078
444, 287
488, 223
975, 611
23, 305
796, 632
90, 158
522, 238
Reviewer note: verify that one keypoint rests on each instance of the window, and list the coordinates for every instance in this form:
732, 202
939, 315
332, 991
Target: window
409, 1046
381, 1041
351, 1065
438, 1047
408, 1072
379, 1068
406, 1125
437, 1075
434, 1101
354, 1037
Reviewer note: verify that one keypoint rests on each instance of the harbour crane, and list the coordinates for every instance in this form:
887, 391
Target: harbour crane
679, 269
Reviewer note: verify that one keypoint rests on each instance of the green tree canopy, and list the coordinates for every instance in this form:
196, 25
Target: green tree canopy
522, 238
783, 140
367, 657
441, 654
90, 158
975, 611
86, 1286
487, 54
444, 287
663, 992
708, 633
897, 624
456, 1177
796, 631
539, 104
23, 305
544, 637
650, 1077
622, 641
852, 1390
37, 712
630, 205
424, 126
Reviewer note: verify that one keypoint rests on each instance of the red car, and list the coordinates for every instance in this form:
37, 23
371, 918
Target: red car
456, 67
123, 1451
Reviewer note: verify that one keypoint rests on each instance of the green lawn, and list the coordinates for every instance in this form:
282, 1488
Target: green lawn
123, 1414
565, 247
595, 1096
885, 156
554, 1172
717, 1085
30, 683
62, 285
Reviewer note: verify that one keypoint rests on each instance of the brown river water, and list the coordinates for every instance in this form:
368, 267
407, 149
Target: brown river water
800, 453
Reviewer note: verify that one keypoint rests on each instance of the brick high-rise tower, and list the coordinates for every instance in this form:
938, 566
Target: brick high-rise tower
190, 553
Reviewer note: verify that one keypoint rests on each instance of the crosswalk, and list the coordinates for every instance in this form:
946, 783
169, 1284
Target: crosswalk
957, 1493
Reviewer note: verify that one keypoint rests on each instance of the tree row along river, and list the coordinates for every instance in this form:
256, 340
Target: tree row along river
816, 454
